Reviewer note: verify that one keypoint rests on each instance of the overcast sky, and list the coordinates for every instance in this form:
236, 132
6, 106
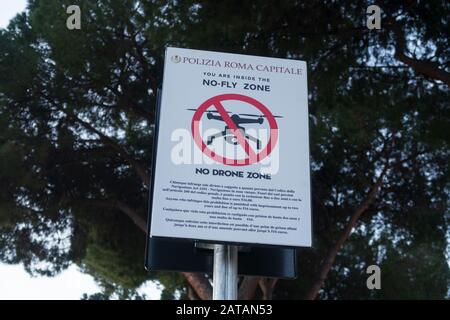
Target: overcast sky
9, 8
15, 283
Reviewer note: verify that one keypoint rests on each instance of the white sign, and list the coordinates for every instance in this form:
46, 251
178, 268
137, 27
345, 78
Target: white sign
232, 161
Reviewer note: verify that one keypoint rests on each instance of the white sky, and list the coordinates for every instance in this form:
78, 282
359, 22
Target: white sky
15, 283
8, 9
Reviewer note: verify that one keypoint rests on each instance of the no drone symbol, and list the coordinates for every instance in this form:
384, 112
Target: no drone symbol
234, 133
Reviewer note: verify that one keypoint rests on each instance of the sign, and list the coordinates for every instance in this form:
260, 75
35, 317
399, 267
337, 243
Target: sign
232, 153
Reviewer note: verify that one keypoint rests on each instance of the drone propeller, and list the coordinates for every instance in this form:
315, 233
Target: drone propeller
258, 116
217, 111
208, 110
241, 114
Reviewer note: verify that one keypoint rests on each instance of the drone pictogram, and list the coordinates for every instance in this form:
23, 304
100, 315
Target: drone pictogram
234, 131
228, 133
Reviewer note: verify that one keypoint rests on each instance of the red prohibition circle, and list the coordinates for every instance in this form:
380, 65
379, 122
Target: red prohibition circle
252, 157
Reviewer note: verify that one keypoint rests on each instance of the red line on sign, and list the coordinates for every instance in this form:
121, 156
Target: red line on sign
237, 133
215, 102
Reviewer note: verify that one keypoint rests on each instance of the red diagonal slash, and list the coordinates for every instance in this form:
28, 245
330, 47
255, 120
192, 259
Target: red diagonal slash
216, 102
237, 133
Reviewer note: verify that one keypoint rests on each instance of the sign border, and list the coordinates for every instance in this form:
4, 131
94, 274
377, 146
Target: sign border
152, 182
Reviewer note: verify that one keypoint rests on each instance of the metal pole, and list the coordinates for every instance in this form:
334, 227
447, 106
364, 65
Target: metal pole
225, 272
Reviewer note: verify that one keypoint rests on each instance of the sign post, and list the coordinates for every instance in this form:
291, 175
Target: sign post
225, 275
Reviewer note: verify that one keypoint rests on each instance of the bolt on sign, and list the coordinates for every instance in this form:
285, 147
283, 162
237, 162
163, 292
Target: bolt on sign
231, 158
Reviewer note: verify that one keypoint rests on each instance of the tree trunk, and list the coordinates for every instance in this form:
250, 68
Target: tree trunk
267, 286
200, 284
247, 289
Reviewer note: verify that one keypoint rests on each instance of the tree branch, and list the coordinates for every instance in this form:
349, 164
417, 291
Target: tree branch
200, 284
267, 286
198, 281
124, 208
427, 68
332, 253
191, 294
247, 289
140, 171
